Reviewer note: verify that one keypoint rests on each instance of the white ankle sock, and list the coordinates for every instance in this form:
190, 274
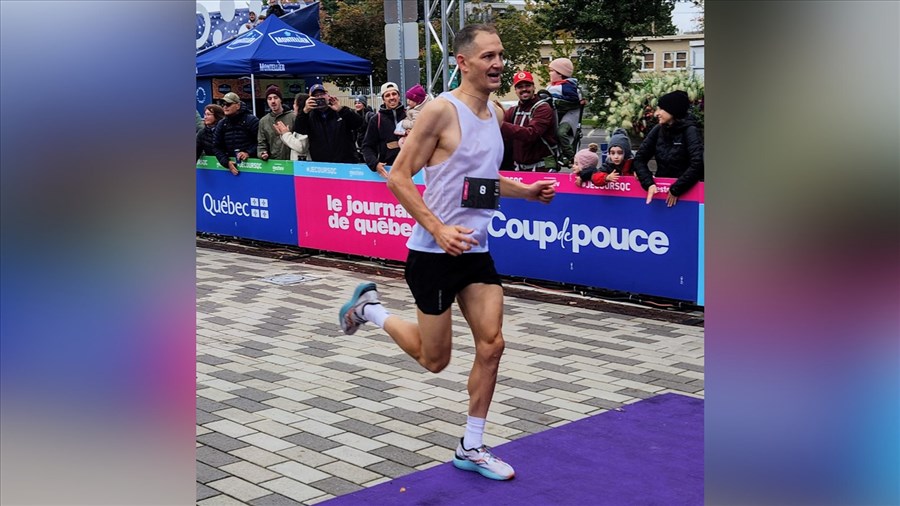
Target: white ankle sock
376, 313
474, 433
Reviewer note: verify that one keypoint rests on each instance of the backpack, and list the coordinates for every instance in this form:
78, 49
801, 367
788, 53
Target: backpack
552, 161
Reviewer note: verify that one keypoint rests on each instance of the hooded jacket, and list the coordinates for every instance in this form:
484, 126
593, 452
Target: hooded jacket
381, 143
678, 150
238, 131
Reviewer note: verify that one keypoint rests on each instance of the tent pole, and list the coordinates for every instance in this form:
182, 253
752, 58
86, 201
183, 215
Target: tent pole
253, 94
371, 89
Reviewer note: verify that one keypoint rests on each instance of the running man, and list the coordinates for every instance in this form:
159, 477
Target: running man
457, 141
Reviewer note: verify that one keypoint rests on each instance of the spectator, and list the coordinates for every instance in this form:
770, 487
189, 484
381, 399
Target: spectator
298, 143
206, 137
329, 126
568, 103
253, 22
677, 145
361, 106
381, 146
270, 145
275, 9
199, 120
416, 98
584, 164
236, 133
618, 162
529, 127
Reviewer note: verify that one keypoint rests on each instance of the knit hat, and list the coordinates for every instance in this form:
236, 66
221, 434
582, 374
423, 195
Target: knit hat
416, 93
232, 98
274, 89
362, 100
587, 159
522, 76
563, 66
387, 86
315, 88
619, 138
675, 103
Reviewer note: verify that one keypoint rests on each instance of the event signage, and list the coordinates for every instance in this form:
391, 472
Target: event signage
291, 38
617, 243
256, 204
245, 39
349, 209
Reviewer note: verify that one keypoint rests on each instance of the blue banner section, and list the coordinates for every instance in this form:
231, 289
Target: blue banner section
612, 243
203, 94
701, 255
212, 27
356, 172
252, 206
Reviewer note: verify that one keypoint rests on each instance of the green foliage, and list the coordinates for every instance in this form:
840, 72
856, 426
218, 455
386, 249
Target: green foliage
357, 27
632, 106
521, 35
607, 27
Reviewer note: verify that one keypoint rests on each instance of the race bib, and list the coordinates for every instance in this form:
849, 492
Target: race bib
481, 193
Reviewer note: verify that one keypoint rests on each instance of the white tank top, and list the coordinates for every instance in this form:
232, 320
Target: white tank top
478, 155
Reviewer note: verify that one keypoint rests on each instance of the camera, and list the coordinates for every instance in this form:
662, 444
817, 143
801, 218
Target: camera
321, 102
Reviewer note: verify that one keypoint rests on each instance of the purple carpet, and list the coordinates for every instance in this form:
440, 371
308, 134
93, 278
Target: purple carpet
649, 454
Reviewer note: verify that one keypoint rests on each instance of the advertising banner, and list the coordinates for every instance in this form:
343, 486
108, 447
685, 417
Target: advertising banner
349, 209
259, 203
618, 243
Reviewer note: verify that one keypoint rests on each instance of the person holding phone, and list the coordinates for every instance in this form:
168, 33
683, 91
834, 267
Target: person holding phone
330, 127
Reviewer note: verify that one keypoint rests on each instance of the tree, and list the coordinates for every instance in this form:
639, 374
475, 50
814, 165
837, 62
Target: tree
521, 35
606, 28
357, 27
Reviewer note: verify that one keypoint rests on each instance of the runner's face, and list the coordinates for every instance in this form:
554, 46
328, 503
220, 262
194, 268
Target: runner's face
484, 62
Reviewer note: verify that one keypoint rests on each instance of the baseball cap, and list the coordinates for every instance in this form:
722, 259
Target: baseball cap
317, 87
232, 98
522, 76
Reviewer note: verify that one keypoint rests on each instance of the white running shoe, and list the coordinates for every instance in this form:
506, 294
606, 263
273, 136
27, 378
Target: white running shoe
351, 313
483, 461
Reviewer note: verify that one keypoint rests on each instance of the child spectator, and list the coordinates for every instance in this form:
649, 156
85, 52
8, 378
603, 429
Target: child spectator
416, 98
567, 101
584, 164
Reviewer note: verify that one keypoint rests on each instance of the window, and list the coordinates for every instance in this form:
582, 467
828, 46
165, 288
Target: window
649, 62
675, 60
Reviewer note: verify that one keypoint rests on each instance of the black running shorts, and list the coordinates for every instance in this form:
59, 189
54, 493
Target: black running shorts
435, 278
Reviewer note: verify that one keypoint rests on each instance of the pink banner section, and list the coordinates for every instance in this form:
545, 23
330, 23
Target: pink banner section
351, 216
626, 186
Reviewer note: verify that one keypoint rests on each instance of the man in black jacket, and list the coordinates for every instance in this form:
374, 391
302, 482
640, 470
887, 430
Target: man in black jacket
381, 144
236, 134
330, 127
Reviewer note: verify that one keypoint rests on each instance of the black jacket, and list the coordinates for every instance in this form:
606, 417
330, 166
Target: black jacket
330, 134
206, 141
379, 134
678, 149
238, 131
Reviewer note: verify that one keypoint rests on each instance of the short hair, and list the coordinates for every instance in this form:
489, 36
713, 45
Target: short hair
217, 111
301, 99
466, 37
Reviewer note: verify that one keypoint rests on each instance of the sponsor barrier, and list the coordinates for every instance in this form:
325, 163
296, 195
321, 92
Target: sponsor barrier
259, 203
603, 237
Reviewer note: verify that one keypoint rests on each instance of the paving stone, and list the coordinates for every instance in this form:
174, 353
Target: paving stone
246, 404
336, 486
221, 441
327, 404
440, 439
361, 428
446, 415
254, 394
209, 405
267, 376
561, 385
207, 473
203, 417
391, 469
204, 492
274, 500
230, 376
689, 366
256, 345
407, 416
312, 441
211, 360
369, 393
250, 352
401, 456
292, 489
239, 489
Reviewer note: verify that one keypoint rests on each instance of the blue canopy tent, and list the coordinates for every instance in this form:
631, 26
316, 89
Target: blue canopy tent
275, 48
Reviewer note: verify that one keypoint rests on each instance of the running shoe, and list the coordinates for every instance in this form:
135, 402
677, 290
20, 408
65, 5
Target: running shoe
482, 460
351, 314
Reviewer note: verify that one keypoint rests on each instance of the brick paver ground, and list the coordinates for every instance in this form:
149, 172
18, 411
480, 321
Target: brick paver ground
292, 411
